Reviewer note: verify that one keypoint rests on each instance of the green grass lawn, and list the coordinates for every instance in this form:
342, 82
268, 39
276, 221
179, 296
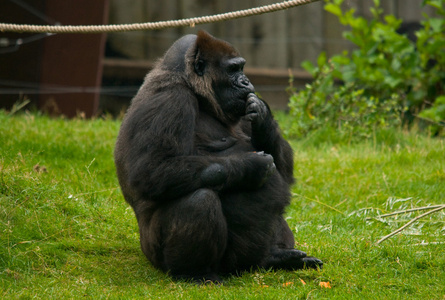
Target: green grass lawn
66, 232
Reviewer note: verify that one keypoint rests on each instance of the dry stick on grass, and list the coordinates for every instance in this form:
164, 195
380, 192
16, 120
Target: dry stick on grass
405, 211
410, 222
427, 244
319, 202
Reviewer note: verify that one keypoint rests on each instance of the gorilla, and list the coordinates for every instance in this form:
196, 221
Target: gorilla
201, 161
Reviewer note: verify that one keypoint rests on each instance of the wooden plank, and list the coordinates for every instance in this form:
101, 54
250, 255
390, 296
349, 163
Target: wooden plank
334, 42
127, 44
305, 33
411, 10
270, 44
241, 32
271, 84
158, 41
363, 7
126, 68
198, 8
137, 69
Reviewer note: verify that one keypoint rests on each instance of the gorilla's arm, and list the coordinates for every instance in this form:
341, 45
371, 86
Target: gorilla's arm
266, 136
178, 176
161, 160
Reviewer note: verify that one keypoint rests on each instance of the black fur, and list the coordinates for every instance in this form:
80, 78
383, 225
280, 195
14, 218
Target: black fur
202, 162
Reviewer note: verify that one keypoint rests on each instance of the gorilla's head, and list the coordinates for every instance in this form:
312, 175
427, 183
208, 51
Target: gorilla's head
214, 70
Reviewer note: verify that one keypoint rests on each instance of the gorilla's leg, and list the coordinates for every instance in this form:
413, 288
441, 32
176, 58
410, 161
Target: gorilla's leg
192, 237
284, 256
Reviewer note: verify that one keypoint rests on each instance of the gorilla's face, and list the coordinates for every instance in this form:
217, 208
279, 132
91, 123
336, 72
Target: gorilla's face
232, 86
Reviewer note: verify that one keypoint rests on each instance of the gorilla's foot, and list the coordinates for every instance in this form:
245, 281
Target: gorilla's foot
312, 263
292, 259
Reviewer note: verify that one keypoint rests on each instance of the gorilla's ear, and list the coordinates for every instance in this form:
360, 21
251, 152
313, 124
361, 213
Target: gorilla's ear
203, 49
200, 65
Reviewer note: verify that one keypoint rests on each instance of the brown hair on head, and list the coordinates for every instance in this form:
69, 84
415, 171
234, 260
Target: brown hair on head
207, 44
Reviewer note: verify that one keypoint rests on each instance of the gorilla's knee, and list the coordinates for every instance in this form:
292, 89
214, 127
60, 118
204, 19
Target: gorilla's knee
199, 216
196, 232
202, 206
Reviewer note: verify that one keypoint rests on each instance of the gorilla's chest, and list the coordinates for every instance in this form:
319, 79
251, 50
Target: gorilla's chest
214, 138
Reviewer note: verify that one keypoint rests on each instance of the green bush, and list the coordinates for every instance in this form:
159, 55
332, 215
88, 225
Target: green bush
388, 76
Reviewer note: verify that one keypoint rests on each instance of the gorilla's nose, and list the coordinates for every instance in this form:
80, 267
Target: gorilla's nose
245, 82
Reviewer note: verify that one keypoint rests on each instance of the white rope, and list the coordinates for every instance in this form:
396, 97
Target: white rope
153, 25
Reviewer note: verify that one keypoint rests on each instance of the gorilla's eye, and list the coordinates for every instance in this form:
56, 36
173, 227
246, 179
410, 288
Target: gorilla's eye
234, 68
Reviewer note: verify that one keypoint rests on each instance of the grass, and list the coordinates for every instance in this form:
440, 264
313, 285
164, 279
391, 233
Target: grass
66, 232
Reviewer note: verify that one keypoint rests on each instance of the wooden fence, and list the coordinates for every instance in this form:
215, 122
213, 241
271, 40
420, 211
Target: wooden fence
272, 43
277, 40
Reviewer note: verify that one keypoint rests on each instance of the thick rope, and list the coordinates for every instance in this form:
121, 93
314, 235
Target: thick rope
153, 25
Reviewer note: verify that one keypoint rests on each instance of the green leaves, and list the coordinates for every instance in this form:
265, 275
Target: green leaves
436, 113
370, 87
438, 4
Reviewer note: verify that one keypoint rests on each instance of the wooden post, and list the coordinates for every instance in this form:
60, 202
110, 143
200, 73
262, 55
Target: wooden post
73, 60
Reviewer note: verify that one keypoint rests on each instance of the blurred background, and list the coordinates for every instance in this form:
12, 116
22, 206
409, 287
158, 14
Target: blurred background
89, 74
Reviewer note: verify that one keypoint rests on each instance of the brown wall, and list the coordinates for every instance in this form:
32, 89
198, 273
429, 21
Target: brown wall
43, 70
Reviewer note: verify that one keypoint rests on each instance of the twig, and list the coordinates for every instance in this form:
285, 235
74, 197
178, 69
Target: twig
18, 106
410, 222
319, 202
427, 244
406, 211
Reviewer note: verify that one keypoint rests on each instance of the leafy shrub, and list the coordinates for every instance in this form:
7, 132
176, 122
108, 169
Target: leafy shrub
386, 77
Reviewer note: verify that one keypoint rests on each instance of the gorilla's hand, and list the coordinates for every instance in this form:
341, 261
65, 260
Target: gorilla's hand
251, 172
256, 110
260, 166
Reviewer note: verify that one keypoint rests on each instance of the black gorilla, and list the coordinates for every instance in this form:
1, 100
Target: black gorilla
202, 162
